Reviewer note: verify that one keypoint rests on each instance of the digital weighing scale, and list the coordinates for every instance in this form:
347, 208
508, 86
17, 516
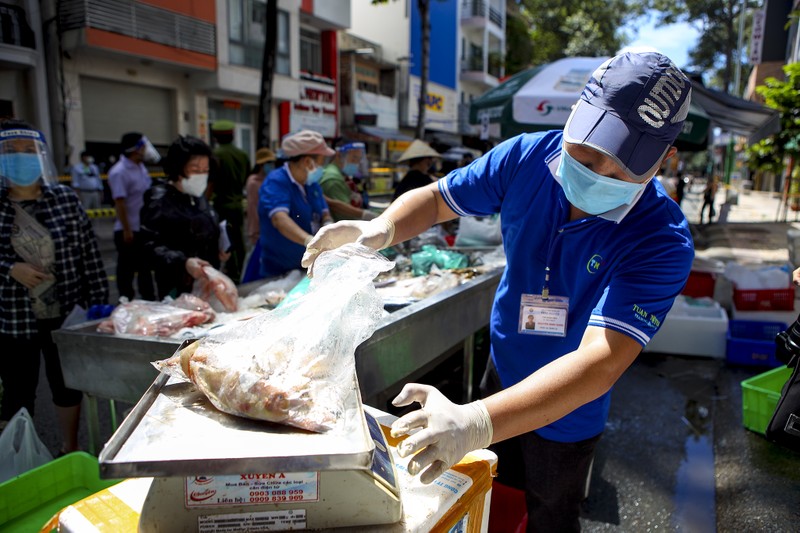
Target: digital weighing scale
217, 472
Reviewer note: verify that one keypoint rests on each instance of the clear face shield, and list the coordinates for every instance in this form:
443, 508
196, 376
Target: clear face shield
25, 159
150, 154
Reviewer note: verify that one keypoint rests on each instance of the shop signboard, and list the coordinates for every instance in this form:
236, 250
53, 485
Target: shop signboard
315, 108
441, 110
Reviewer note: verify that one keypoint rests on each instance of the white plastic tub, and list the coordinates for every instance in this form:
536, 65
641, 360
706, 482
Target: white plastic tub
692, 331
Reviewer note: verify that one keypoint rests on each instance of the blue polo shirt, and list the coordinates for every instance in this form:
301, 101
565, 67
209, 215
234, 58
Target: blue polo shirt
304, 204
620, 270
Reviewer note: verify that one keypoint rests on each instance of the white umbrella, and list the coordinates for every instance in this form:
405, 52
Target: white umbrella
547, 98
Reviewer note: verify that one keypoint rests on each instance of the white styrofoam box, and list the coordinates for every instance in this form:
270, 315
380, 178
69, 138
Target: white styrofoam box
692, 331
787, 317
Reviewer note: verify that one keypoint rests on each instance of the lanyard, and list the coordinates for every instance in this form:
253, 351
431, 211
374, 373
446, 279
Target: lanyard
555, 234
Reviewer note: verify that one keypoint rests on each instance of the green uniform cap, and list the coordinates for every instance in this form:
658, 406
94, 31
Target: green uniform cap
222, 126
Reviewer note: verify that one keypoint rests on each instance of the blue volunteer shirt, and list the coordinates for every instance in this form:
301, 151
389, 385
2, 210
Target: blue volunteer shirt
620, 270
304, 204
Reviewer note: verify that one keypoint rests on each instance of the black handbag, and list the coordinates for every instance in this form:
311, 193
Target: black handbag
784, 427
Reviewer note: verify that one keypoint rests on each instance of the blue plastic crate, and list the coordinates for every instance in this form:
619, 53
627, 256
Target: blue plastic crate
752, 343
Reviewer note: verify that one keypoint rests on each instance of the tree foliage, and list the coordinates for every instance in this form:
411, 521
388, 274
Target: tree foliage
783, 96
717, 22
563, 28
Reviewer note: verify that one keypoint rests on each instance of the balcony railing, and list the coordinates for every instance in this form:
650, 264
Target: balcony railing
495, 67
473, 64
496, 16
141, 21
481, 8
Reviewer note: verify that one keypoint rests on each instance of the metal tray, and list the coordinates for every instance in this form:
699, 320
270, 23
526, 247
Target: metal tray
174, 430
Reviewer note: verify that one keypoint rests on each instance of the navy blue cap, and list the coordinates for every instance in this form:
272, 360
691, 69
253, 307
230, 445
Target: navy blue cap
631, 110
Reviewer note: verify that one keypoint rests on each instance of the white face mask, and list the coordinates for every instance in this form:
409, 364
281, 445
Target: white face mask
195, 184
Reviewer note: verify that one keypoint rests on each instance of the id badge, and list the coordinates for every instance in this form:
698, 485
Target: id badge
538, 316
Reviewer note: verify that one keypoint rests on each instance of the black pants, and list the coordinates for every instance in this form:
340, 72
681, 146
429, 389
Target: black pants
235, 226
552, 474
708, 201
132, 261
19, 371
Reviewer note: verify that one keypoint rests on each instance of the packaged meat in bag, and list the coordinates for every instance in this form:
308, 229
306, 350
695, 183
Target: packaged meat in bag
214, 285
294, 365
157, 319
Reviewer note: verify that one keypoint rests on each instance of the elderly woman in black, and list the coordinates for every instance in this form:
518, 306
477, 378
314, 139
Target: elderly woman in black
49, 262
181, 231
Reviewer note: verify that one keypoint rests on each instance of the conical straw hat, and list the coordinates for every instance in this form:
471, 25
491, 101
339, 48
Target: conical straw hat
418, 149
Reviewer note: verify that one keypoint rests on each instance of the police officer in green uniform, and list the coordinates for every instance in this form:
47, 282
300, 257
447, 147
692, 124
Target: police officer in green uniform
226, 188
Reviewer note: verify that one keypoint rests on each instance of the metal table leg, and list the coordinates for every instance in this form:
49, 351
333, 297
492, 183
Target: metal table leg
93, 424
469, 367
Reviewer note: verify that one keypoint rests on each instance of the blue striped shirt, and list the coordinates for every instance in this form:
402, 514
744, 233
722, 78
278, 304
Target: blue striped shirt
620, 270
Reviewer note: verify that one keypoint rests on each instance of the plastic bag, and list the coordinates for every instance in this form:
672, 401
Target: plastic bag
20, 447
771, 277
434, 283
217, 287
479, 231
157, 319
422, 261
271, 293
294, 365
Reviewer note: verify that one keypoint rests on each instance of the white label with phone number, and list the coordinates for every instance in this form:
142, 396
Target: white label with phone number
252, 489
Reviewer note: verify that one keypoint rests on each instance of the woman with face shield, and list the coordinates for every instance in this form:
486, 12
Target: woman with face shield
291, 205
337, 183
49, 262
180, 230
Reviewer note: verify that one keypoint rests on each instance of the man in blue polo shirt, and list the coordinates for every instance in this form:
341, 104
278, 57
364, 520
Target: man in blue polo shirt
597, 253
291, 207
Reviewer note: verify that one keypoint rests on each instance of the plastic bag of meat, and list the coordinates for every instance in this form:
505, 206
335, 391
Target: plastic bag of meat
157, 319
294, 365
216, 285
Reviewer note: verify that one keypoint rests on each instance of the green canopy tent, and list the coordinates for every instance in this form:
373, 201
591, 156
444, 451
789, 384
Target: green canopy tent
541, 98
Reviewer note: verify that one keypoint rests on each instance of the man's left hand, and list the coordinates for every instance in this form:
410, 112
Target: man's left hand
447, 431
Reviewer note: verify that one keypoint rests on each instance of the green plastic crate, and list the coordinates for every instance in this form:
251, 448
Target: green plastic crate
29, 500
760, 395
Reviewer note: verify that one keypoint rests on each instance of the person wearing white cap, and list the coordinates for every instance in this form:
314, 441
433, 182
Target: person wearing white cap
420, 157
291, 206
597, 253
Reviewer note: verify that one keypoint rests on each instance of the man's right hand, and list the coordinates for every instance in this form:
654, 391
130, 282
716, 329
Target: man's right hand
127, 236
29, 275
376, 234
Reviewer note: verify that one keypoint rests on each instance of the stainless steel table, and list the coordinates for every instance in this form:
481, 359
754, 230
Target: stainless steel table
406, 345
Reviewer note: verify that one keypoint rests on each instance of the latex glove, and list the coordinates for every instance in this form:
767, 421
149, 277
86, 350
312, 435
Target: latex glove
194, 266
449, 431
376, 234
366, 214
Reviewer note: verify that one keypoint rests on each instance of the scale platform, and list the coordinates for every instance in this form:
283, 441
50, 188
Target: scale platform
218, 472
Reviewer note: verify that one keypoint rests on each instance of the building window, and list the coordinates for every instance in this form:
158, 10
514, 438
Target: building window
310, 52
246, 33
283, 60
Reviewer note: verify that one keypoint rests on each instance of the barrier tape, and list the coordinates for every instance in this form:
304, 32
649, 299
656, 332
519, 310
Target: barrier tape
67, 178
108, 212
